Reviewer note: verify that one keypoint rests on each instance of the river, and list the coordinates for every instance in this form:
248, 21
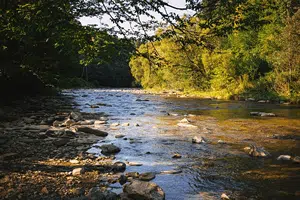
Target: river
210, 169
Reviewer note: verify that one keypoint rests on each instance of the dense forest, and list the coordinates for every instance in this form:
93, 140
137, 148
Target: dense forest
237, 49
227, 49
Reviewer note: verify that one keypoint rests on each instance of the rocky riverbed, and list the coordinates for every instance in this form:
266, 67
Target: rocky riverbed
126, 144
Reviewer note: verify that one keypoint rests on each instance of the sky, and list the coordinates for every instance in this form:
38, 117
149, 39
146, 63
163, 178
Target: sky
96, 21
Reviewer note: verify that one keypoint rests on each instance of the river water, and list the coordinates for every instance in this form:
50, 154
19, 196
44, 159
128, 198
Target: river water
210, 169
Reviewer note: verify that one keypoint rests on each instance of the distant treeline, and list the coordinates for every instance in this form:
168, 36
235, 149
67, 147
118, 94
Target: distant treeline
229, 49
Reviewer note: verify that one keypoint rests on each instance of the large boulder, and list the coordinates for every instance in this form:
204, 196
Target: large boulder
141, 190
89, 130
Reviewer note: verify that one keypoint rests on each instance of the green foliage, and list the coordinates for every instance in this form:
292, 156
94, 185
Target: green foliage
232, 48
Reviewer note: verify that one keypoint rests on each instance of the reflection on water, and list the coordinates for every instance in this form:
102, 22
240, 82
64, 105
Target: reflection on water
208, 169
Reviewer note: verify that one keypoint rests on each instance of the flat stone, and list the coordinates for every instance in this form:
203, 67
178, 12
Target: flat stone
186, 125
262, 114
171, 172
148, 176
92, 131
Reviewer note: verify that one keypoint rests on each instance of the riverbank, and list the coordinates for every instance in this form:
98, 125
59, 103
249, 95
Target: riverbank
267, 97
44, 156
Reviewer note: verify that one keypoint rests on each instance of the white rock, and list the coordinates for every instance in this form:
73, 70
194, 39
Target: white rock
185, 120
284, 157
78, 171
198, 140
115, 124
224, 196
221, 142
125, 124
74, 161
186, 125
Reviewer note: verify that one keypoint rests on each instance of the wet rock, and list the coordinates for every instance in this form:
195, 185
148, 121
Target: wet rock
92, 131
262, 114
119, 136
256, 152
296, 160
109, 149
132, 174
171, 172
284, 157
199, 140
148, 176
78, 171
119, 167
8, 156
134, 164
143, 190
176, 155
224, 197
136, 124
97, 194
122, 180
142, 99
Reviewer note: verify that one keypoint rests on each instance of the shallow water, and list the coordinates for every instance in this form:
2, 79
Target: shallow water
209, 169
